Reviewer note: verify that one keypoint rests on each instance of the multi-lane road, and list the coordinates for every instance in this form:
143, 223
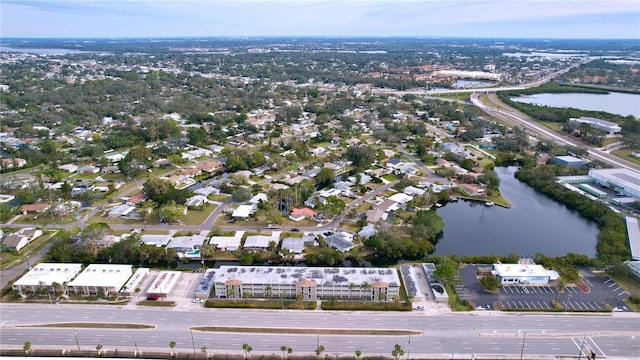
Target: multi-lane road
434, 335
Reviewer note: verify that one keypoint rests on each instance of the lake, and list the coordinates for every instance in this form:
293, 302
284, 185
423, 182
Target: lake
614, 102
42, 51
533, 224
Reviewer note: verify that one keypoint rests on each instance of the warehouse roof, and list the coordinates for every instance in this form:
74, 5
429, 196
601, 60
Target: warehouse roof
104, 275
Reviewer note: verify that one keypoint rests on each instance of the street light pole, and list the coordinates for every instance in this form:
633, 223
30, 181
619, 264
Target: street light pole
193, 343
582, 346
75, 335
523, 340
409, 350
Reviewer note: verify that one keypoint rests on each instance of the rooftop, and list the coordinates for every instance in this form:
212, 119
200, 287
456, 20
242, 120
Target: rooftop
107, 275
516, 270
325, 276
48, 273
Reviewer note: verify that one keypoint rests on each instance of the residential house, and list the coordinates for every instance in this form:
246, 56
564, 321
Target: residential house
34, 208
301, 214
257, 242
196, 200
367, 231
340, 242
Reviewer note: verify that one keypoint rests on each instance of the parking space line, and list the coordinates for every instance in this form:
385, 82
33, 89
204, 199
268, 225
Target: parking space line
612, 284
623, 293
616, 289
606, 281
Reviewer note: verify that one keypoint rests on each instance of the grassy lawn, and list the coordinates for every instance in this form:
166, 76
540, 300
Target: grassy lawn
632, 286
218, 197
626, 154
197, 217
8, 259
554, 126
391, 177
44, 219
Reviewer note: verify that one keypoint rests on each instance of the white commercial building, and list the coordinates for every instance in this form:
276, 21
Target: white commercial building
308, 283
134, 282
164, 283
607, 126
44, 275
521, 274
633, 235
624, 181
107, 279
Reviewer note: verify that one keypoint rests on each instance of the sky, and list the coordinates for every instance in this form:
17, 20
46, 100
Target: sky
546, 19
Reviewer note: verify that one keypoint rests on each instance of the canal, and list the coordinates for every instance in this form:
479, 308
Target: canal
533, 224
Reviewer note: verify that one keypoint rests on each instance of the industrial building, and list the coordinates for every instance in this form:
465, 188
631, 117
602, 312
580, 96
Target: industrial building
609, 127
624, 181
568, 161
372, 284
44, 275
107, 279
523, 274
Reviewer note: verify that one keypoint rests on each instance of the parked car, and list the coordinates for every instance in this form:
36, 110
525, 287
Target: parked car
295, 229
153, 297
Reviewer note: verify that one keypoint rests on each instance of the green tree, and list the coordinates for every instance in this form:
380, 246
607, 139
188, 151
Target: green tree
203, 350
319, 350
196, 136
491, 283
325, 176
358, 353
283, 348
26, 347
98, 349
247, 349
362, 156
171, 211
397, 351
172, 345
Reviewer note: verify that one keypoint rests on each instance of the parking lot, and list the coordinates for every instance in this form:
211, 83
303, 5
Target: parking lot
602, 292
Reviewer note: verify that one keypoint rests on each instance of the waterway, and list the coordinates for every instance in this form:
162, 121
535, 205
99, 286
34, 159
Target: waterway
614, 102
533, 224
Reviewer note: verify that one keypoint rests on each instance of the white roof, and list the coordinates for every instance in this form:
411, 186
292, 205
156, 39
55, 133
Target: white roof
227, 242
411, 190
136, 279
295, 245
192, 241
633, 234
400, 198
325, 276
258, 197
257, 241
164, 283
48, 273
157, 240
243, 211
104, 275
629, 179
519, 270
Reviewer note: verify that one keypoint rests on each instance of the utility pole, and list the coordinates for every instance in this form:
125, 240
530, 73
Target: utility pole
193, 343
409, 350
523, 340
75, 335
582, 346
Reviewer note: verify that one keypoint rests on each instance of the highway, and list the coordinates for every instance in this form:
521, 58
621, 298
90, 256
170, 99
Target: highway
479, 333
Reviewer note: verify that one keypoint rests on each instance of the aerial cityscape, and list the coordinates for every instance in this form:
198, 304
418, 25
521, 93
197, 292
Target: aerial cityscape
320, 179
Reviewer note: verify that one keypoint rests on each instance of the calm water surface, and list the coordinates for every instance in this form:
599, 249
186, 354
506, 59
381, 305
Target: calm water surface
533, 224
614, 103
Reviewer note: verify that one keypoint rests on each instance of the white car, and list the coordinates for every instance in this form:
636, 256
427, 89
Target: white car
198, 300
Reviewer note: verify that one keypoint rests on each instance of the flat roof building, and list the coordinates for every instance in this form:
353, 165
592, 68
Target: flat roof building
624, 181
257, 242
155, 240
375, 284
134, 282
107, 279
519, 274
164, 283
633, 235
203, 291
607, 126
44, 275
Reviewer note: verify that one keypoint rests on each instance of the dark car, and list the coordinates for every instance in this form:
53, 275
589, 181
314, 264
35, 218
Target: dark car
295, 229
153, 297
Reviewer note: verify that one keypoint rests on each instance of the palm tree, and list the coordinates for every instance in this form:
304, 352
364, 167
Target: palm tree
289, 351
98, 348
332, 299
268, 291
172, 344
358, 353
137, 291
365, 286
283, 348
203, 350
351, 287
319, 350
247, 349
27, 347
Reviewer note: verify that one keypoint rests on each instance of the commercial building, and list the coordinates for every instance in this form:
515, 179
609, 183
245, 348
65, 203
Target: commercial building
624, 181
107, 279
377, 284
164, 283
633, 235
203, 291
134, 282
607, 126
44, 275
568, 161
523, 274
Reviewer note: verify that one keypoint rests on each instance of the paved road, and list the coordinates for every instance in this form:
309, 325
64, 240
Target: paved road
514, 117
484, 333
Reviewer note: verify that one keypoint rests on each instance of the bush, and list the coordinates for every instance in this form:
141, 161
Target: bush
368, 306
